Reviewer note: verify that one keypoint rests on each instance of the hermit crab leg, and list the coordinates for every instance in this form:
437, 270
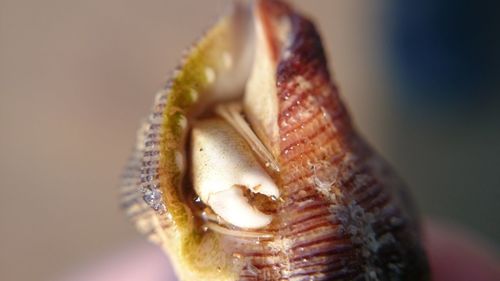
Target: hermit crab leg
232, 113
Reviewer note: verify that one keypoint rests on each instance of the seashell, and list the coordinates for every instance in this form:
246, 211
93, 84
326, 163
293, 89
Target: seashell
249, 168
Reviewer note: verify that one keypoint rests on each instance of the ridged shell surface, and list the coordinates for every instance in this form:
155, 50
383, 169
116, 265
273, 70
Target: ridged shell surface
342, 213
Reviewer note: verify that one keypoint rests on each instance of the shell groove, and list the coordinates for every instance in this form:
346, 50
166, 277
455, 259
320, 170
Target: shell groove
340, 219
342, 213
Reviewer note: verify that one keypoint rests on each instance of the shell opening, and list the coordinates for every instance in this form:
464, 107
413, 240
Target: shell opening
255, 179
234, 137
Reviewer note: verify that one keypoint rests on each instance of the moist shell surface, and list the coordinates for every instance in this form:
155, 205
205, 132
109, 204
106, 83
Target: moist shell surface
342, 214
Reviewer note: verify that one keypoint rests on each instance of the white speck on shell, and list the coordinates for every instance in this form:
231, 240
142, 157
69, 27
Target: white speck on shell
179, 160
227, 60
183, 123
194, 95
209, 75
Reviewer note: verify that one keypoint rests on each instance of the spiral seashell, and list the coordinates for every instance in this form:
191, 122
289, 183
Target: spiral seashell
249, 168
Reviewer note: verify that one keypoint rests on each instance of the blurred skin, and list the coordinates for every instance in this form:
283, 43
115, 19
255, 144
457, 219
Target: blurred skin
454, 256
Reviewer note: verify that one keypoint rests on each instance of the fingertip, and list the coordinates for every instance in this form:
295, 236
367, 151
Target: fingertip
457, 255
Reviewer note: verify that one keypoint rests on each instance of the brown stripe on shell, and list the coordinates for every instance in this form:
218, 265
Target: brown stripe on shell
343, 216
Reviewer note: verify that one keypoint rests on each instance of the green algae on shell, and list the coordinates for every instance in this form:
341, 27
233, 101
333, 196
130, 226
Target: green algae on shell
340, 213
161, 141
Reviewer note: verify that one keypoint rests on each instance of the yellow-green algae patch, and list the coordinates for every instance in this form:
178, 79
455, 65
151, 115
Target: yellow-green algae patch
197, 252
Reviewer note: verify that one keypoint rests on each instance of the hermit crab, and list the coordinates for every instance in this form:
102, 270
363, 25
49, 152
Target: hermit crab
249, 168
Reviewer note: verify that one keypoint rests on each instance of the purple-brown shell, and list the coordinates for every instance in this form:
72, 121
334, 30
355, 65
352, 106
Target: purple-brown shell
342, 213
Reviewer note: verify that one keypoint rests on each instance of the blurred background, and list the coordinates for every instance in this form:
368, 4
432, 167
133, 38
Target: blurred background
76, 77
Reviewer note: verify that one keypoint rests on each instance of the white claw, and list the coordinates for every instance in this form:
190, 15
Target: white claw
233, 207
222, 163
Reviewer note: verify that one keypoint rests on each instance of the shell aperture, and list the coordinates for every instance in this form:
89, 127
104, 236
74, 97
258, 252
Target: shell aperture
249, 167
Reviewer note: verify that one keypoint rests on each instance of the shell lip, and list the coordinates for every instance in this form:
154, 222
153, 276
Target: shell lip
199, 241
